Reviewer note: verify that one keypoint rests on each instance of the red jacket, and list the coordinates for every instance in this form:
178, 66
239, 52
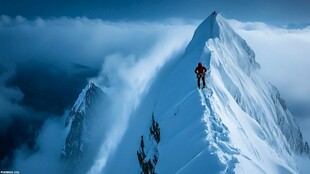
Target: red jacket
200, 69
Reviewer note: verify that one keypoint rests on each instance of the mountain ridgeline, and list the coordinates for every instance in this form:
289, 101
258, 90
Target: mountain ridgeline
238, 124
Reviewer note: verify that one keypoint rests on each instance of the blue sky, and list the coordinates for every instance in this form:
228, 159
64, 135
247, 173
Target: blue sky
52, 47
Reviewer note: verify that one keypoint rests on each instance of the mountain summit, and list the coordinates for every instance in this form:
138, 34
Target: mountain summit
238, 124
241, 124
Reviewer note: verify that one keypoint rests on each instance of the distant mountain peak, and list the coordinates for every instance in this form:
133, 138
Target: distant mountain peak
84, 101
80, 121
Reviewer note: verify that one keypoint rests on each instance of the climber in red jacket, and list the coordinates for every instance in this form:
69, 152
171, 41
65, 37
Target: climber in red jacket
201, 73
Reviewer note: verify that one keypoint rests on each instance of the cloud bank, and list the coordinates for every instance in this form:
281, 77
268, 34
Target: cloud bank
45, 158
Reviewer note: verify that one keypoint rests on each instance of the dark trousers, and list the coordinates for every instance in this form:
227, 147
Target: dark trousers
201, 76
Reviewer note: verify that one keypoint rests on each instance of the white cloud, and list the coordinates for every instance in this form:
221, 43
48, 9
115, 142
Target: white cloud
45, 158
80, 40
9, 97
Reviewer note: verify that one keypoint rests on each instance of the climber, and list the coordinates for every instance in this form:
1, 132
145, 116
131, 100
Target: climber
201, 73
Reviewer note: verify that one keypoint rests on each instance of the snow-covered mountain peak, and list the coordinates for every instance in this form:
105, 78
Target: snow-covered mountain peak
216, 29
255, 121
86, 98
241, 119
238, 124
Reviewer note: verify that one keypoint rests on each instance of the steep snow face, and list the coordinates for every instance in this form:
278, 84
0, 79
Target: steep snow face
243, 126
80, 122
239, 124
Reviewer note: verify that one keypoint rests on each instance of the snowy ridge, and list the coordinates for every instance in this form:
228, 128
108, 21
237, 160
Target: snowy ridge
217, 133
246, 125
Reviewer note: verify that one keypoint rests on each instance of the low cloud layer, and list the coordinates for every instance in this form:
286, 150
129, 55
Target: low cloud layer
45, 157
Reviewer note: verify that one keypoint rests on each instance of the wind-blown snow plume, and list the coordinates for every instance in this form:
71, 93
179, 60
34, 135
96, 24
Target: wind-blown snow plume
130, 78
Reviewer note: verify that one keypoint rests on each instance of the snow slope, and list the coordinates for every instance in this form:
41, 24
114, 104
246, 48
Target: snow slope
239, 124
